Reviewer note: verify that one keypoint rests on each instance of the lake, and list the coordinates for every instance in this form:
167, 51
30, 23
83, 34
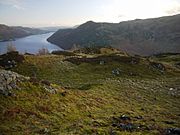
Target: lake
30, 44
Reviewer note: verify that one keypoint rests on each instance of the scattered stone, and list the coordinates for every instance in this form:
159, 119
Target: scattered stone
50, 89
11, 59
102, 62
116, 71
44, 131
170, 89
158, 66
128, 127
172, 131
175, 92
138, 117
133, 74
124, 117
125, 123
8, 81
46, 82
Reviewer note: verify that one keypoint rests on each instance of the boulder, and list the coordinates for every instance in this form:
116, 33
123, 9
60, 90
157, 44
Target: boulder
127, 127
125, 117
158, 66
116, 71
102, 62
8, 81
173, 131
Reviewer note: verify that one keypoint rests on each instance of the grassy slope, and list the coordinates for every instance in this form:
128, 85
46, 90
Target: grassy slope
92, 97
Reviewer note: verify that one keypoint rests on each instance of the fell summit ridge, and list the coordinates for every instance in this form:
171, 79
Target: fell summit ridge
140, 36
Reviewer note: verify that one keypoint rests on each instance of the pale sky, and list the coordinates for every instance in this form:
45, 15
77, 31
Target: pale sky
40, 13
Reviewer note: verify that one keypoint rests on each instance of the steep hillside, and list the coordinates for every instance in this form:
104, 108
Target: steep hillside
10, 33
100, 94
144, 37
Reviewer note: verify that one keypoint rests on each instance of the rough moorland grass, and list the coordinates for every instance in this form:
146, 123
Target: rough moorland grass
90, 97
65, 73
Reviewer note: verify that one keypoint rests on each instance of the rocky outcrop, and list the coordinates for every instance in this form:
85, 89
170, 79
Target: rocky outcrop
11, 59
9, 80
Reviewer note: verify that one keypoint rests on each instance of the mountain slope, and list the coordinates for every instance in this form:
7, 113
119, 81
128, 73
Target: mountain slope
144, 37
123, 95
8, 33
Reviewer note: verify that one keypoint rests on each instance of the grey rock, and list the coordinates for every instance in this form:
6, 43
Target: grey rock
8, 80
50, 89
102, 62
124, 117
173, 131
158, 66
116, 71
126, 126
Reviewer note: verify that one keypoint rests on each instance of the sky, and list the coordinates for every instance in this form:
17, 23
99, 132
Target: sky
43, 13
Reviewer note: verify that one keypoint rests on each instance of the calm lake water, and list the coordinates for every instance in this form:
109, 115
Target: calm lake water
30, 44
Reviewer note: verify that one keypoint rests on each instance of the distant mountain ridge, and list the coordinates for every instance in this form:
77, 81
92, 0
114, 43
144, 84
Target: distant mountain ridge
10, 33
53, 28
140, 36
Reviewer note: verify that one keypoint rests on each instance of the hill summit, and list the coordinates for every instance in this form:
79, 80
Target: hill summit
140, 36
